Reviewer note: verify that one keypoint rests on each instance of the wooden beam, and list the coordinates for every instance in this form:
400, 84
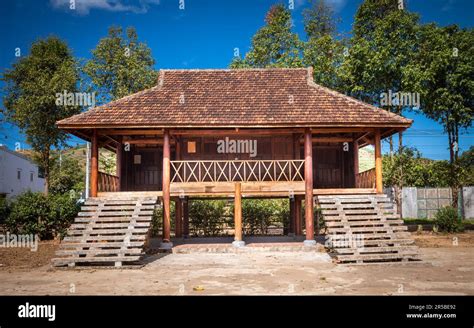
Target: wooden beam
185, 216
378, 163
355, 145
238, 213
94, 164
291, 226
234, 132
308, 177
332, 139
166, 188
118, 164
132, 132
178, 223
298, 217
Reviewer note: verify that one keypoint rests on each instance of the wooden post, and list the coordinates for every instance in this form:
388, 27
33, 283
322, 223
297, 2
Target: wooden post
355, 144
298, 218
166, 188
291, 228
308, 177
185, 216
118, 165
94, 164
178, 222
238, 242
378, 163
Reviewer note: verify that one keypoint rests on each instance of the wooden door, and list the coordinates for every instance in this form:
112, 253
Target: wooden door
327, 167
147, 169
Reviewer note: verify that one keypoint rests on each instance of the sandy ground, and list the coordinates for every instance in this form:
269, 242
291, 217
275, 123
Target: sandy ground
447, 268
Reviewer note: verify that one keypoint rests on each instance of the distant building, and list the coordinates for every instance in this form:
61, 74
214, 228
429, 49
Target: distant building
17, 174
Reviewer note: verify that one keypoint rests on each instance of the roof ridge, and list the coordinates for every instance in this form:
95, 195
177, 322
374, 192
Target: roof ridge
230, 69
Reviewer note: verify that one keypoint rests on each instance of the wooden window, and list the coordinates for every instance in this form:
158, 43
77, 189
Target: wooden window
137, 159
191, 147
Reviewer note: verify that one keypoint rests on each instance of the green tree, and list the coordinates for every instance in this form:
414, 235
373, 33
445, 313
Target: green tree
120, 65
67, 175
382, 46
274, 45
443, 74
323, 51
31, 89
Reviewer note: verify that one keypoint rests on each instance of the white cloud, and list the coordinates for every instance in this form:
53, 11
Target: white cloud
83, 7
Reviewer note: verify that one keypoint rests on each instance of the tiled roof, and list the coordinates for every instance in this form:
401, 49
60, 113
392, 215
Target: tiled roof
235, 98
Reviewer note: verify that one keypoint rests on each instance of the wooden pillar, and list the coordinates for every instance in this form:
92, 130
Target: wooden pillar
356, 162
308, 177
238, 216
378, 163
118, 165
298, 218
185, 216
166, 188
291, 227
94, 164
178, 223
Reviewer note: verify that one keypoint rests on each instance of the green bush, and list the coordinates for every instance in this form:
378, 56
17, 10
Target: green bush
447, 220
46, 216
207, 217
4, 210
157, 220
257, 215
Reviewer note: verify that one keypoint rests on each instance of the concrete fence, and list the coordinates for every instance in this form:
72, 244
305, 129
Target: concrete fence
423, 203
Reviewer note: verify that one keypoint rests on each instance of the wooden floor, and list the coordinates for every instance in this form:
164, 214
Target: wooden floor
249, 189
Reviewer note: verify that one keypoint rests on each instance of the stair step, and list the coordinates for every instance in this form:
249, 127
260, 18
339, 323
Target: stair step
383, 249
102, 225
376, 257
363, 223
368, 229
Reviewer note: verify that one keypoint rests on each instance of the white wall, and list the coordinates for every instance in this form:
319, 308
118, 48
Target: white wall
12, 162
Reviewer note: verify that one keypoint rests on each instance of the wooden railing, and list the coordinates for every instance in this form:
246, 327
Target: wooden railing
366, 179
238, 170
108, 182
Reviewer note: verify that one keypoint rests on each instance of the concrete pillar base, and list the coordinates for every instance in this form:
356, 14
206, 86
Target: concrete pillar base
238, 243
166, 245
309, 243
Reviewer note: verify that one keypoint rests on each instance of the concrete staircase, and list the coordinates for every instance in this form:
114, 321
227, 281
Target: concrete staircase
108, 232
365, 229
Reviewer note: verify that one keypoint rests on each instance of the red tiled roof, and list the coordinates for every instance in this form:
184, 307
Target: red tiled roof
235, 98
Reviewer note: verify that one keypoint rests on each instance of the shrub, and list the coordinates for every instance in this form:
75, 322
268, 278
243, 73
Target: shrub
46, 216
207, 216
157, 220
257, 215
447, 220
4, 209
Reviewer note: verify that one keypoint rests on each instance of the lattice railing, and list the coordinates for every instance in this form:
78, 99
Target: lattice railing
238, 170
366, 179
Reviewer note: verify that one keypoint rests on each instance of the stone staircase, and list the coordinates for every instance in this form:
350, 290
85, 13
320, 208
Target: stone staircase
107, 232
365, 229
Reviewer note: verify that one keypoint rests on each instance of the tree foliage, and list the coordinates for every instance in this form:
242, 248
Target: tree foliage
323, 51
274, 45
120, 65
30, 100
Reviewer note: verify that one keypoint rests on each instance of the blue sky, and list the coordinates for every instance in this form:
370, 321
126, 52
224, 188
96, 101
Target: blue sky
202, 35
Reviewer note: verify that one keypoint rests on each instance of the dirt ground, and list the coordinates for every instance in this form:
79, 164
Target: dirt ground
447, 269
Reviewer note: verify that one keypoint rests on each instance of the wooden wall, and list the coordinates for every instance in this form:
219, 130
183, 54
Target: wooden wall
332, 166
